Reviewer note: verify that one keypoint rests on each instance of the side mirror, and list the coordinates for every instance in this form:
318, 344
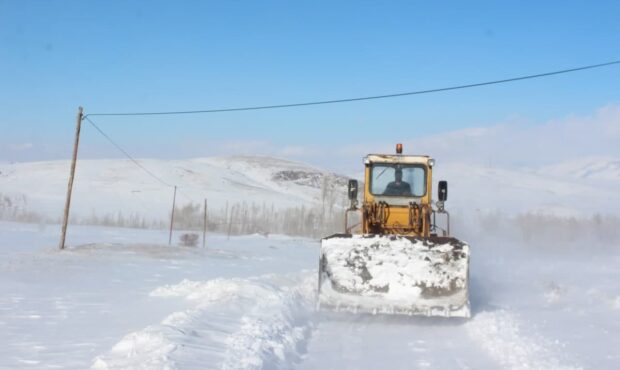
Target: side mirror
442, 191
352, 190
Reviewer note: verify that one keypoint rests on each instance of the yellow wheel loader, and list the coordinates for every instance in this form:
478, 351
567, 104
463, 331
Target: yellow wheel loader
393, 257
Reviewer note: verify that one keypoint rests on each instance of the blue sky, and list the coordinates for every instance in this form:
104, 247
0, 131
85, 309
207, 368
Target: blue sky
117, 56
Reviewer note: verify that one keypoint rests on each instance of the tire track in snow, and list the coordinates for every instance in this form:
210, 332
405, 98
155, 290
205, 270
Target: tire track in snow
500, 334
262, 322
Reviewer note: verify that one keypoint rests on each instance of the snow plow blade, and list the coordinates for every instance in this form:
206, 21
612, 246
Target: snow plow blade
391, 274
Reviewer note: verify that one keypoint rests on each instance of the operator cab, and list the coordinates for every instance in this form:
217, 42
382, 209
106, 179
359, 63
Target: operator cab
397, 179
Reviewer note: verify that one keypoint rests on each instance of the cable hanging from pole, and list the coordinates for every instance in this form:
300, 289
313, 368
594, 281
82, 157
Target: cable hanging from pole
347, 100
135, 161
126, 154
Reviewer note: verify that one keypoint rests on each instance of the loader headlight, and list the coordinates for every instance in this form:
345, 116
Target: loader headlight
431, 162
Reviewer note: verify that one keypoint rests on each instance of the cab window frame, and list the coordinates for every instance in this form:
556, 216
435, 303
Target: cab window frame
401, 165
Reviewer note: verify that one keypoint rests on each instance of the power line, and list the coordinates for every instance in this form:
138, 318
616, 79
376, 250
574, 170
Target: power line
127, 154
419, 92
150, 173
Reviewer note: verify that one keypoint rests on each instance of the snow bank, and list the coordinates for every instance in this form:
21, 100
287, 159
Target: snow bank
202, 291
234, 323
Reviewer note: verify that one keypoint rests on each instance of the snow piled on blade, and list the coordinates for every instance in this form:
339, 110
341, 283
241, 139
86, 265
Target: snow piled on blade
393, 274
499, 334
234, 323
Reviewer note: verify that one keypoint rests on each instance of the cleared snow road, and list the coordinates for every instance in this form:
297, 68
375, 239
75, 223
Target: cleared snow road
542, 307
489, 340
375, 342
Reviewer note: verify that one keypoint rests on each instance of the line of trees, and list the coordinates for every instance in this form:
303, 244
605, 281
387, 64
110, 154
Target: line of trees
235, 218
327, 217
240, 218
16, 209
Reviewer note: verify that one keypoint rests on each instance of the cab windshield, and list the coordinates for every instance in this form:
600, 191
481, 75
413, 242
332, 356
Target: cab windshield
400, 180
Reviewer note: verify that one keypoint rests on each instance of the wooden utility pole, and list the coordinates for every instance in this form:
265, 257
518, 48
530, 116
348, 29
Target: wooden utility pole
204, 230
174, 199
76, 143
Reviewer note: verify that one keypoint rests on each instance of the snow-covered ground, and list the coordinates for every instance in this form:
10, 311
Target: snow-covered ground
123, 299
131, 302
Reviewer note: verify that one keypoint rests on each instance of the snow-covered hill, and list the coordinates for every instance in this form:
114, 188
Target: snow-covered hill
589, 168
578, 187
108, 186
548, 190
